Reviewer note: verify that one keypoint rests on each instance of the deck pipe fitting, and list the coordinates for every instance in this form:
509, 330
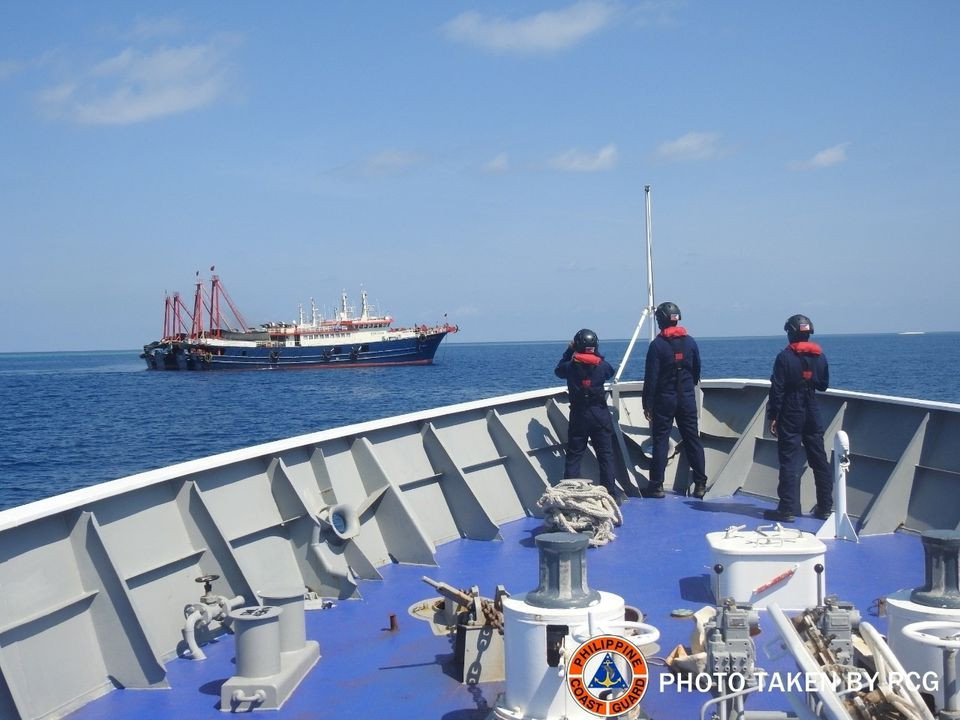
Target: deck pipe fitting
293, 626
207, 580
941, 556
563, 572
210, 608
195, 615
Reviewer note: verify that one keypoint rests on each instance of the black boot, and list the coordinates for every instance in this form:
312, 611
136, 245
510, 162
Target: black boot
822, 513
653, 491
698, 489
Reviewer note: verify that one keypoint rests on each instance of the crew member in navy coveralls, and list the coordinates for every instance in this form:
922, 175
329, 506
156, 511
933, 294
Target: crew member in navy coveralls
669, 381
794, 414
585, 371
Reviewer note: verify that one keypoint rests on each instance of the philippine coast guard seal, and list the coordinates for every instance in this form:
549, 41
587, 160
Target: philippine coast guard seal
607, 675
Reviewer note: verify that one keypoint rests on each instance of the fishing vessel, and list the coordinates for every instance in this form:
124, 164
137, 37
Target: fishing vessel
349, 339
288, 578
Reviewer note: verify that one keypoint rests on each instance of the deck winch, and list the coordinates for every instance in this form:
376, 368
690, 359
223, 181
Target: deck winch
936, 602
545, 631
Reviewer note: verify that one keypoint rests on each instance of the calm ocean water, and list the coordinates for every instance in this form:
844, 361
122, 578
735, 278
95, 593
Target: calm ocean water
75, 419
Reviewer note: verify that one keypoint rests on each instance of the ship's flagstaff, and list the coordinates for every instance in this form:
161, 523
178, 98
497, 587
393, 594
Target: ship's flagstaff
649, 309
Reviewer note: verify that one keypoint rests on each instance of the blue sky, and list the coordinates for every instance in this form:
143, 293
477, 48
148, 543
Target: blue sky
484, 160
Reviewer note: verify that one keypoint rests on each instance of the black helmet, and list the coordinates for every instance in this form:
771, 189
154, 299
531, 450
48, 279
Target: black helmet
667, 315
798, 327
585, 341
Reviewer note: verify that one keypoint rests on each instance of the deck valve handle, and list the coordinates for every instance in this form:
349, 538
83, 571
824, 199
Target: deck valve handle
207, 581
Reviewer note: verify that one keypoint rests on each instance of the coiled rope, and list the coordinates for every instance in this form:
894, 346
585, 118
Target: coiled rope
578, 506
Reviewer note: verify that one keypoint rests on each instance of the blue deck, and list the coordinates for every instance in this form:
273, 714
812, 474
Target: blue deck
659, 561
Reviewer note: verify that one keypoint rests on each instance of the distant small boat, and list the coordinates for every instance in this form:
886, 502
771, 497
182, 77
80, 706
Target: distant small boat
913, 332
347, 340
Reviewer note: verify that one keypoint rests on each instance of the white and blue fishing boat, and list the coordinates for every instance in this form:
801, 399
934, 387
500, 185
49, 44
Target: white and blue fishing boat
287, 578
349, 339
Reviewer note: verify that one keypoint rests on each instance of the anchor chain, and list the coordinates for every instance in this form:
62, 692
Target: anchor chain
491, 615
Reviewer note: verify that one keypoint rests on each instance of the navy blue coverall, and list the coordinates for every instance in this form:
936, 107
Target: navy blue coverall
589, 416
798, 372
669, 381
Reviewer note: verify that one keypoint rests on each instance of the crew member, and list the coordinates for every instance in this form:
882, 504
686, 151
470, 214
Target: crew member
794, 414
585, 371
669, 393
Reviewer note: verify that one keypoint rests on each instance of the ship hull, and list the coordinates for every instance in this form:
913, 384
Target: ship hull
200, 356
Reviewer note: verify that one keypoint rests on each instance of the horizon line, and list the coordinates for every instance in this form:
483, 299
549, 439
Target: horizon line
533, 342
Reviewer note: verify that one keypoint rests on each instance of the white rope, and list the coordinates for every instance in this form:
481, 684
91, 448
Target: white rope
579, 505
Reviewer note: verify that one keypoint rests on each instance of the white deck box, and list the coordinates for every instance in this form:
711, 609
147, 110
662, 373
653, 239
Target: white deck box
769, 564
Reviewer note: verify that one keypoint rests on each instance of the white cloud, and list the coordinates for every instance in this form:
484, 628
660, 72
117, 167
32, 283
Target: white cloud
391, 162
575, 160
547, 31
826, 158
497, 164
136, 85
692, 146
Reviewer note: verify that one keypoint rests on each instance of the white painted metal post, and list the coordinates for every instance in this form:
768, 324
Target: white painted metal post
842, 526
648, 310
633, 341
647, 313
650, 306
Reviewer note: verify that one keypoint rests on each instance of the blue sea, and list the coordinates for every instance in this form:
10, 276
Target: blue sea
70, 420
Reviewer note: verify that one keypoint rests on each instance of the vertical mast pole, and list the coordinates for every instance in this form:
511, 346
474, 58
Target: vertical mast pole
650, 306
196, 329
214, 306
167, 319
178, 327
647, 313
649, 309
